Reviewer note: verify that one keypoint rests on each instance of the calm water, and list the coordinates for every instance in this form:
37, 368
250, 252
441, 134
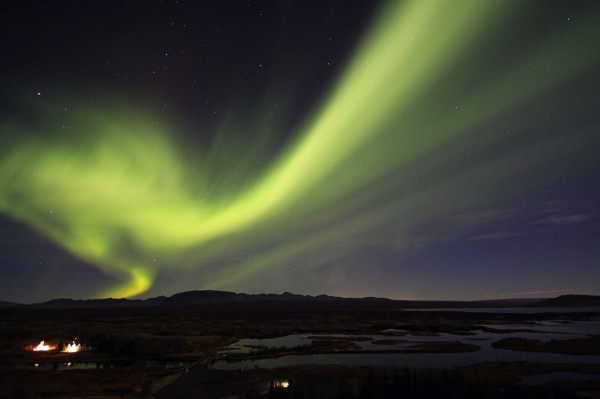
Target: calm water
544, 331
592, 309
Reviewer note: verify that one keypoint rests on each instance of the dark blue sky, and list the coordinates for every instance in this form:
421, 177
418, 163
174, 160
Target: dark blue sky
506, 206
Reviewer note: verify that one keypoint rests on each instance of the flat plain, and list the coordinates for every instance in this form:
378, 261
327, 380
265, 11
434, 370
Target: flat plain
187, 351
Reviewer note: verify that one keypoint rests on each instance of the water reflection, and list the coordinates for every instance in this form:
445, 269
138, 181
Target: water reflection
542, 331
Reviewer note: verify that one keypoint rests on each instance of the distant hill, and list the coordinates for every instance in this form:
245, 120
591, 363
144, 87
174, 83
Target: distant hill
198, 297
4, 304
489, 303
77, 303
237, 301
569, 301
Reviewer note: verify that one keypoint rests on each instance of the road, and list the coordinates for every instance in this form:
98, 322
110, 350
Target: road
201, 381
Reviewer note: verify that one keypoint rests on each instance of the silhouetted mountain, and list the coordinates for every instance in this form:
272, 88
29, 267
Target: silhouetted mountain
489, 303
287, 300
5, 304
568, 301
78, 303
197, 297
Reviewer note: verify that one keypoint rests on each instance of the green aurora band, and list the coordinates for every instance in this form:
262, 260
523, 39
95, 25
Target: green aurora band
116, 192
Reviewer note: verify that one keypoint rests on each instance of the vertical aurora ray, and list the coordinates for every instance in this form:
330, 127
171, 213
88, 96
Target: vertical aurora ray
115, 193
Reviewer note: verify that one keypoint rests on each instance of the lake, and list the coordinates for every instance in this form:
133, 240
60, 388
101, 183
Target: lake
594, 309
543, 331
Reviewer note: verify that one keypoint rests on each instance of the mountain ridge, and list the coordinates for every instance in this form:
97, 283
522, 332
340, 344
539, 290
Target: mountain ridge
213, 297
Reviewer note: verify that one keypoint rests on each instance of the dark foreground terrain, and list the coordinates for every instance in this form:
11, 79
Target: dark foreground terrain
179, 351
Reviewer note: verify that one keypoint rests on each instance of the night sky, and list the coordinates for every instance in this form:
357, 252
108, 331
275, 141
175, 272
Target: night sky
419, 149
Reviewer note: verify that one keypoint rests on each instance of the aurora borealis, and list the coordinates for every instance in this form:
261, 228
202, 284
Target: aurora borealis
414, 149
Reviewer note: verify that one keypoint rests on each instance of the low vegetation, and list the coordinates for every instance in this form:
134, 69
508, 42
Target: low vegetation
579, 346
198, 334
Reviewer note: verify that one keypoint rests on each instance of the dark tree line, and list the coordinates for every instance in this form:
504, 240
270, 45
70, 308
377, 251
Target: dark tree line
412, 384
